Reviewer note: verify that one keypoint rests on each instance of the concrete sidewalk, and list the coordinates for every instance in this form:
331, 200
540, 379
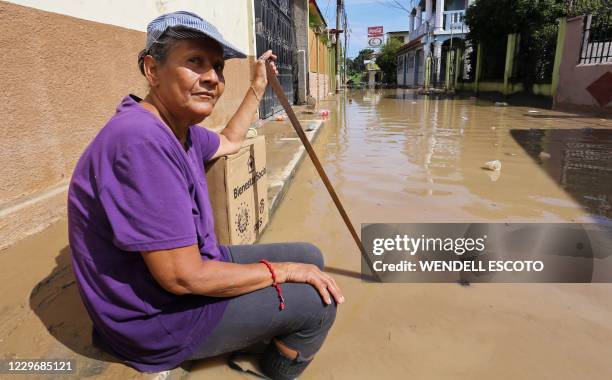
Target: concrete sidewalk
284, 152
41, 314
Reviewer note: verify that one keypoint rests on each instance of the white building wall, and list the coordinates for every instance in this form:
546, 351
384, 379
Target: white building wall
406, 72
401, 59
136, 14
410, 68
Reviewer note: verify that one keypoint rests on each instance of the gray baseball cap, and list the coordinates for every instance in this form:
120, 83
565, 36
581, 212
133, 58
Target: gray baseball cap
191, 26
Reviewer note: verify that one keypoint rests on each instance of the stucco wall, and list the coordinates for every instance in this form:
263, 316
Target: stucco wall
312, 54
62, 78
323, 82
136, 14
409, 62
574, 78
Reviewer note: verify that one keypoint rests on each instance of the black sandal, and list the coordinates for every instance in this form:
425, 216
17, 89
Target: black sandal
231, 362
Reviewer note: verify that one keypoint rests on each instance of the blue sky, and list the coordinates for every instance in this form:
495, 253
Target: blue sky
364, 13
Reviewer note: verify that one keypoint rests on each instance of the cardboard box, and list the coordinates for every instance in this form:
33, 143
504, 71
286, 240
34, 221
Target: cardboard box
238, 189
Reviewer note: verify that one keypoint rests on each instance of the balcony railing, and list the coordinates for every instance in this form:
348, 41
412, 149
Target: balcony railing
422, 29
454, 22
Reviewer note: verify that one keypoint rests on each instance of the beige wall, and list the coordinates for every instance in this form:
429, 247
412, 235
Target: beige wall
574, 78
312, 54
62, 78
323, 83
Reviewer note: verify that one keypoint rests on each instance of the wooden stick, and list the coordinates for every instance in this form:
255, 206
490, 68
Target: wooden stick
280, 94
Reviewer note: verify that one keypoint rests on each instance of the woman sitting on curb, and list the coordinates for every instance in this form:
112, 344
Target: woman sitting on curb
158, 287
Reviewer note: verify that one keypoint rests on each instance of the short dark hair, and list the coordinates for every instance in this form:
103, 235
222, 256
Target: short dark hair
160, 49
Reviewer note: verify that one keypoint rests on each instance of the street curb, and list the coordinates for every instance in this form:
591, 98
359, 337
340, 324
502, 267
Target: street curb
277, 190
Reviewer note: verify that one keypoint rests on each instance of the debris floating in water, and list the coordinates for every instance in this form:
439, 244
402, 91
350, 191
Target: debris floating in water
494, 165
501, 104
544, 156
494, 175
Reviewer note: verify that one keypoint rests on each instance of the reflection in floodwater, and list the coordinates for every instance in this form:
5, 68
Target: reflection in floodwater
579, 160
394, 150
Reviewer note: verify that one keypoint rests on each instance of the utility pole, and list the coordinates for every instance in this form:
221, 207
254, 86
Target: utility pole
318, 71
338, 9
345, 44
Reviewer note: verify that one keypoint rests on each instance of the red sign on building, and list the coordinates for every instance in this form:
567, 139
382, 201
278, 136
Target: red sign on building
375, 31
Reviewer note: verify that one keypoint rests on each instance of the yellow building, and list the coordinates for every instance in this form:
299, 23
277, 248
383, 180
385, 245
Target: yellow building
321, 54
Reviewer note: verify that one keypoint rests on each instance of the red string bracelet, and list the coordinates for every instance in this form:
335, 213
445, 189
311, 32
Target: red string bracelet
276, 285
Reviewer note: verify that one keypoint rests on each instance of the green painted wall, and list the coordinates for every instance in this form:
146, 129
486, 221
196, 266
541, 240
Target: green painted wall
509, 66
558, 56
506, 87
544, 89
512, 88
478, 66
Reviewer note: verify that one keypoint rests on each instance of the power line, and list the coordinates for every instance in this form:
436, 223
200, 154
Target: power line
326, 11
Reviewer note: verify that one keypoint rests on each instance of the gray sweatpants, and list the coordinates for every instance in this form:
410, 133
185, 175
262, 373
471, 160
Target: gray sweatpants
255, 317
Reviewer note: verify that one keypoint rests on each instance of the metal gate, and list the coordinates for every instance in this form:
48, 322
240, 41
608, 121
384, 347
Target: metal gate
274, 30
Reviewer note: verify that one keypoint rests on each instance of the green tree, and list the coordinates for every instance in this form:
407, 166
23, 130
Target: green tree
357, 64
387, 60
490, 22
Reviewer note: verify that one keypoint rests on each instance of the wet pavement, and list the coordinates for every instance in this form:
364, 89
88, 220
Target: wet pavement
397, 157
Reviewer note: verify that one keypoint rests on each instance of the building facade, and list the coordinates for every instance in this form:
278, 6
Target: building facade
321, 54
400, 35
436, 29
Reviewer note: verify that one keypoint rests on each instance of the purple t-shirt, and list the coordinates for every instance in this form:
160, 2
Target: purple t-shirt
135, 188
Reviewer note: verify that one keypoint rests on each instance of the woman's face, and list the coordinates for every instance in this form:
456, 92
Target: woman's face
191, 80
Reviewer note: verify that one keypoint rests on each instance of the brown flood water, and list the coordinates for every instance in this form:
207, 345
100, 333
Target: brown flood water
397, 157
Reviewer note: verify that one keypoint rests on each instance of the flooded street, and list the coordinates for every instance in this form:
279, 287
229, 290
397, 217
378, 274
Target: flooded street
397, 157
394, 157
486, 247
